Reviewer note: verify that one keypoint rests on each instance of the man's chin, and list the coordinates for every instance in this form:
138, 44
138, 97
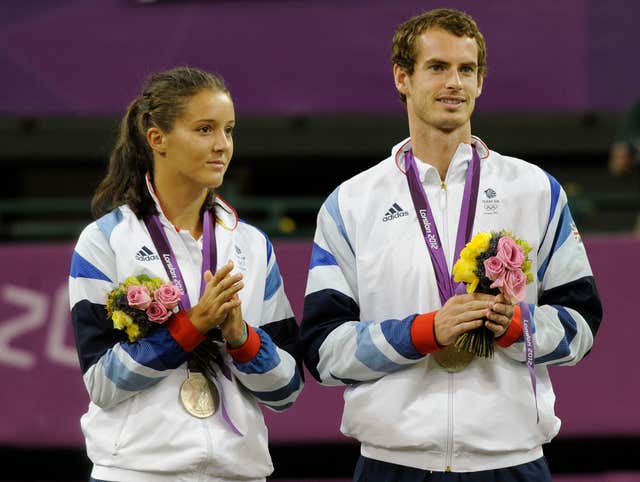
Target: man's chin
450, 126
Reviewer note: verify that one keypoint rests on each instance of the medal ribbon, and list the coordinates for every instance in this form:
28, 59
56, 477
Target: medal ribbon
170, 263
447, 287
529, 351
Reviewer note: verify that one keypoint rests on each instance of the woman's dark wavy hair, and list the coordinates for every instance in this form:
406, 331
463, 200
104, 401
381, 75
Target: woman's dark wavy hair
162, 101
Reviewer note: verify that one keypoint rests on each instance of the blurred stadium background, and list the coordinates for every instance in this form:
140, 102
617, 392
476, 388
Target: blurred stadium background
315, 103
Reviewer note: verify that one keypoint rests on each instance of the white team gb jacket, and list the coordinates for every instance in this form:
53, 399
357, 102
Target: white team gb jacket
371, 274
136, 428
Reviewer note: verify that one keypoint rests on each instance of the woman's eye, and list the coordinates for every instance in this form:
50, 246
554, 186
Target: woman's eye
205, 129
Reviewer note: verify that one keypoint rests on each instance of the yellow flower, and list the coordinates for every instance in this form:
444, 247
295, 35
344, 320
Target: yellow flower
478, 244
111, 302
121, 320
524, 245
527, 272
467, 253
131, 280
152, 284
526, 265
464, 270
471, 287
133, 331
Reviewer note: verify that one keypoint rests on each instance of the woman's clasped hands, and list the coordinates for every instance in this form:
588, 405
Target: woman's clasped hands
220, 298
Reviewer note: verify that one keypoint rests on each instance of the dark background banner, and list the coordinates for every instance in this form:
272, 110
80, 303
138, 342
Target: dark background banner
82, 57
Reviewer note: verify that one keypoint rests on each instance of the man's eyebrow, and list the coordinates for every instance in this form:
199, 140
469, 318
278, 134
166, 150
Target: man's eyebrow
435, 60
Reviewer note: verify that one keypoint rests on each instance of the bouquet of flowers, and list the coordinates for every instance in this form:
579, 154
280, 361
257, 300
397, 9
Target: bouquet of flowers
141, 303
492, 263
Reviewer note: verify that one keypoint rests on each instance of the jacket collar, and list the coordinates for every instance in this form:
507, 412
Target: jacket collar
226, 215
397, 151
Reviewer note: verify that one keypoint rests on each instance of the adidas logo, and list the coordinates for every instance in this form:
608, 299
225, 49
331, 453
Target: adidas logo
145, 254
394, 212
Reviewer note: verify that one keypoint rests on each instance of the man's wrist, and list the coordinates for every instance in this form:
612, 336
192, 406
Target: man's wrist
423, 335
514, 330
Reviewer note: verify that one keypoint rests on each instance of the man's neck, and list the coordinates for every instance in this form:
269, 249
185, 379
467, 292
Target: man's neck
437, 147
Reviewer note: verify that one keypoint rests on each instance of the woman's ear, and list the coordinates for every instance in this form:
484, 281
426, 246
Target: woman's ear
157, 140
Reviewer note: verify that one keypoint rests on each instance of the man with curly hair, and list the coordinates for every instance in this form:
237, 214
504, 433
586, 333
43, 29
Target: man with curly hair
382, 313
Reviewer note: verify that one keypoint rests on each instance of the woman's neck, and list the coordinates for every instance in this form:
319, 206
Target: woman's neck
181, 204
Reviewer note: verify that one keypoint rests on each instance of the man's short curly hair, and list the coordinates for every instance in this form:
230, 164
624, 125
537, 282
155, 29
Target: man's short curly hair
404, 49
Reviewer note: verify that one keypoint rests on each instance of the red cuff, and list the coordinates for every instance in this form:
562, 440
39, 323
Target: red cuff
423, 334
514, 332
184, 332
249, 349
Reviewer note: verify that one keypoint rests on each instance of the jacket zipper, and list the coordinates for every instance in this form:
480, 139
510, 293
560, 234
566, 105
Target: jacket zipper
444, 240
208, 450
449, 454
208, 447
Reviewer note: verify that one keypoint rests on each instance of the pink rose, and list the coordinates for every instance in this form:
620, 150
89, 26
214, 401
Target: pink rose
157, 312
499, 281
514, 285
168, 295
138, 297
493, 268
509, 253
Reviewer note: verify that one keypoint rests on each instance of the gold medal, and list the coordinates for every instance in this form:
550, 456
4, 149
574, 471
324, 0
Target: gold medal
452, 359
199, 396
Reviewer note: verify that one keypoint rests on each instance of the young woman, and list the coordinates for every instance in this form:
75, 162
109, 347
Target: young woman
174, 393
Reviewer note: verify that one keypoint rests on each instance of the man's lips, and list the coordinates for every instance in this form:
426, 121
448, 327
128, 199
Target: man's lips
451, 100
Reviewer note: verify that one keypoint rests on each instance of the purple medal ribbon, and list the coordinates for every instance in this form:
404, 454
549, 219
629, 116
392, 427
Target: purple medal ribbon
209, 262
168, 258
447, 287
529, 351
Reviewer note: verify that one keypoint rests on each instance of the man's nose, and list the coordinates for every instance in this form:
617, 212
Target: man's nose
453, 79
